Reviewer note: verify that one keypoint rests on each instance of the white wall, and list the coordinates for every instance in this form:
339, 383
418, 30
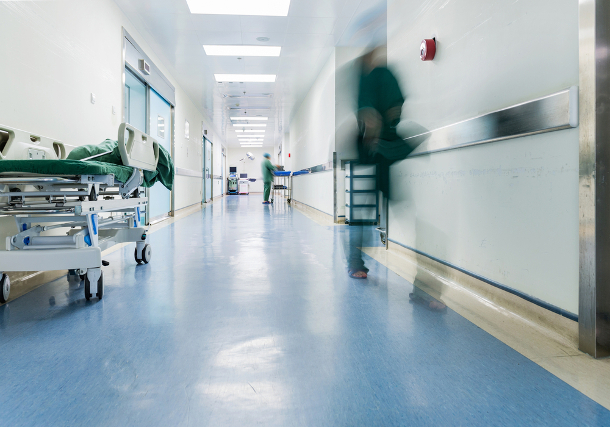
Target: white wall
62, 51
312, 141
251, 167
507, 210
312, 129
315, 190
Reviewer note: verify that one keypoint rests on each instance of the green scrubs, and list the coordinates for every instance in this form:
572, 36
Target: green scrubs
268, 170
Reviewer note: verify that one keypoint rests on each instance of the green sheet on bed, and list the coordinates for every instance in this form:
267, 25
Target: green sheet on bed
66, 167
163, 174
103, 165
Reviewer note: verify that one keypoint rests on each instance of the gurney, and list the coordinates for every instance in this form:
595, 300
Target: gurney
99, 204
282, 183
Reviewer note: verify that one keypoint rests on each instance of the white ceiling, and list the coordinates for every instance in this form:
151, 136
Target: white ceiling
307, 36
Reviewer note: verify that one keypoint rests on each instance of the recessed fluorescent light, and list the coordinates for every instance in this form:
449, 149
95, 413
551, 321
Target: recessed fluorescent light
225, 50
249, 118
240, 7
250, 131
243, 125
251, 140
245, 78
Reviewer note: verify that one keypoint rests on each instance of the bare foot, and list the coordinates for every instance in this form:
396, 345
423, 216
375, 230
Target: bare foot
437, 306
358, 274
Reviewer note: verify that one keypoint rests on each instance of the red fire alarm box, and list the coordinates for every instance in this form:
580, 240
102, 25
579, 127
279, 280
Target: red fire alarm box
427, 50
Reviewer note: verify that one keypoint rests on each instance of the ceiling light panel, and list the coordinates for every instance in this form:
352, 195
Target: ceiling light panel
251, 131
249, 118
240, 7
228, 50
243, 125
245, 78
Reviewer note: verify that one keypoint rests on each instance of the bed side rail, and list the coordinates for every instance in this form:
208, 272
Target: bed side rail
138, 149
17, 144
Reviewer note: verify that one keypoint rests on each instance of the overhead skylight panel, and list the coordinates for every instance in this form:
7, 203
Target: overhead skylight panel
240, 7
245, 78
226, 50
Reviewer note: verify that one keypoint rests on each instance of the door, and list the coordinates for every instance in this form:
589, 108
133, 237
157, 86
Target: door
207, 171
159, 203
135, 101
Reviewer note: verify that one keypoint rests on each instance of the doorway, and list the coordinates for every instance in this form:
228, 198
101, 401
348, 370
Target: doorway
207, 171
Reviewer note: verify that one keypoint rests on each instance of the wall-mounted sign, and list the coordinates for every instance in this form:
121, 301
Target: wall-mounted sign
187, 130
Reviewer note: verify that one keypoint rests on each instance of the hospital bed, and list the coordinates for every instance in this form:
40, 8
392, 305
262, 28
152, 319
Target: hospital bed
99, 204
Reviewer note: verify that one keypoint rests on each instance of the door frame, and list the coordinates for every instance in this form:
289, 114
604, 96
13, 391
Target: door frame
156, 81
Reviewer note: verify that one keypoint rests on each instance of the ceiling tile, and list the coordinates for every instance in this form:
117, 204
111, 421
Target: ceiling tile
218, 37
318, 8
227, 65
216, 23
261, 65
309, 25
275, 39
263, 24
162, 6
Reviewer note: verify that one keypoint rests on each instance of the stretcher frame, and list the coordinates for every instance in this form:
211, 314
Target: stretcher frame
97, 211
282, 183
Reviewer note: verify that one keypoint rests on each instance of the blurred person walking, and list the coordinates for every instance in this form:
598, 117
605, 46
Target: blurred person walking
379, 112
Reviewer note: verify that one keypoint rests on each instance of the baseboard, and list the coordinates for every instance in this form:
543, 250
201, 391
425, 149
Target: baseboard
317, 215
450, 278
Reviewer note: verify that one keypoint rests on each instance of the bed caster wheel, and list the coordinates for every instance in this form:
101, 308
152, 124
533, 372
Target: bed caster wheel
146, 255
5, 283
100, 287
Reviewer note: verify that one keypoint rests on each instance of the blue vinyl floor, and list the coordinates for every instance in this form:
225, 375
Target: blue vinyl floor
246, 316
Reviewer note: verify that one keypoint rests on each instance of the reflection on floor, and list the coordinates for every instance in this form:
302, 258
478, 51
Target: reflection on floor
246, 316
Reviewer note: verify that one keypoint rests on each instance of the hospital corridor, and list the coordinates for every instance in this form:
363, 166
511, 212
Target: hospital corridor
304, 213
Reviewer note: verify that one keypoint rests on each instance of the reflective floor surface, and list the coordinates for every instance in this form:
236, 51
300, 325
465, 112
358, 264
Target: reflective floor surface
246, 316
